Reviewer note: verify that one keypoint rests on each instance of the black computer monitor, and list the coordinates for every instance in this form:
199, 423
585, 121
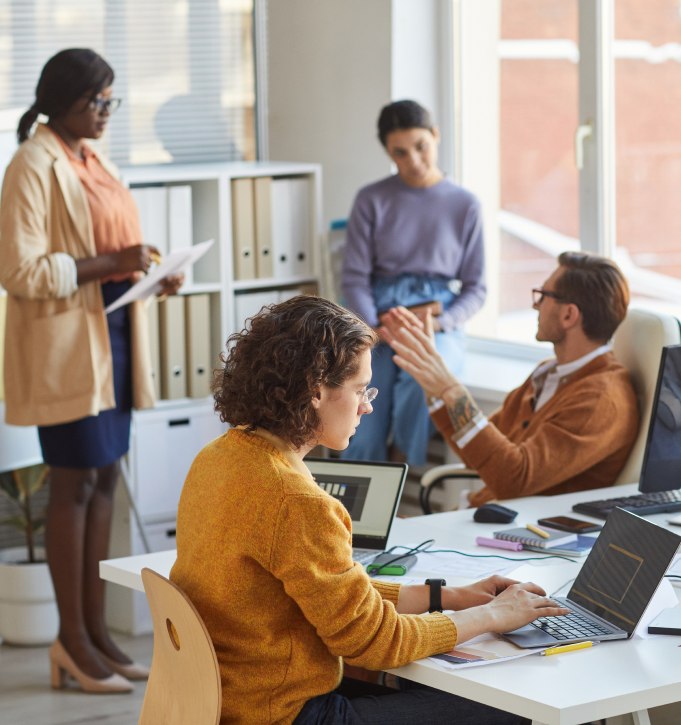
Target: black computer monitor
661, 470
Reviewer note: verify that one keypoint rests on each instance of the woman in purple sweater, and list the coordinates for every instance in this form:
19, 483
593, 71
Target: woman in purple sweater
412, 238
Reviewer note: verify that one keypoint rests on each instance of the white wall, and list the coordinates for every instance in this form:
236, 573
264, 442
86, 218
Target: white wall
329, 74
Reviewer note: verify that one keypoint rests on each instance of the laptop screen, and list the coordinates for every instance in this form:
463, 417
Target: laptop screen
624, 568
661, 470
369, 491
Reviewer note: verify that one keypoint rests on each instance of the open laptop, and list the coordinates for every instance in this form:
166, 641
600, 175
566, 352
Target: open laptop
613, 588
370, 492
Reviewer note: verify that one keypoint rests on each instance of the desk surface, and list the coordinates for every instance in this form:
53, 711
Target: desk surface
576, 687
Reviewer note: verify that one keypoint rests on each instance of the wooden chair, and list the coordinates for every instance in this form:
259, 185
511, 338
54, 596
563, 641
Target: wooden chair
184, 685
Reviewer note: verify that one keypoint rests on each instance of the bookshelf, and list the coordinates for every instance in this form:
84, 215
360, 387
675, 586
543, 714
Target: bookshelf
165, 440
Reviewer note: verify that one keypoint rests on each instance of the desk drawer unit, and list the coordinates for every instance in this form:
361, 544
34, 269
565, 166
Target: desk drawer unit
163, 446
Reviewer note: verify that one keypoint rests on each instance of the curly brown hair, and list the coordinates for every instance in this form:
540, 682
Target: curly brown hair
272, 370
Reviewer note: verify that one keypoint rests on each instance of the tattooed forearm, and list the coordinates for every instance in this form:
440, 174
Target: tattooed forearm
462, 409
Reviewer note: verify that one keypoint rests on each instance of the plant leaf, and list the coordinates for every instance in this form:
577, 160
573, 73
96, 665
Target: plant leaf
19, 522
31, 478
9, 487
38, 525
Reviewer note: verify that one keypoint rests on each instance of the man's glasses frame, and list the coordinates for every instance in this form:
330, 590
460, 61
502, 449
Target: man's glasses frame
538, 295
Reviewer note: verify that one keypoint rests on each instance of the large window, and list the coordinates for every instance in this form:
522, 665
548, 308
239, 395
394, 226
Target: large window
539, 89
628, 67
185, 69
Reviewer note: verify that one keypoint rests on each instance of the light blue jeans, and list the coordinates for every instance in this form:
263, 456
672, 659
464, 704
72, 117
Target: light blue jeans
400, 407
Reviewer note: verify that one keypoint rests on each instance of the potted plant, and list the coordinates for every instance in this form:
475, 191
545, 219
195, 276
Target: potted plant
28, 611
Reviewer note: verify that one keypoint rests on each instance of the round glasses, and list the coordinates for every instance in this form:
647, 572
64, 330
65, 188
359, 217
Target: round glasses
366, 395
538, 295
105, 105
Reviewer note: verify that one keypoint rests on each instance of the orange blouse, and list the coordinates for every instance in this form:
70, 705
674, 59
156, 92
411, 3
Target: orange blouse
115, 219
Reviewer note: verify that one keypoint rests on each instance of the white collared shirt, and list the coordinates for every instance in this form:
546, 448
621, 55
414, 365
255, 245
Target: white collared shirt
556, 374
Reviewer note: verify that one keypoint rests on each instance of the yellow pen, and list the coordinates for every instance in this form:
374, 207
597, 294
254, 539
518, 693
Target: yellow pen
155, 257
568, 648
538, 531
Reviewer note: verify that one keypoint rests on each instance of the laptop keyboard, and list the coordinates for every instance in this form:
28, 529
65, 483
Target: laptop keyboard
364, 557
642, 504
570, 626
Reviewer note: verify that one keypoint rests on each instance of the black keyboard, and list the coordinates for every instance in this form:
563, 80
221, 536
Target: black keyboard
641, 504
570, 626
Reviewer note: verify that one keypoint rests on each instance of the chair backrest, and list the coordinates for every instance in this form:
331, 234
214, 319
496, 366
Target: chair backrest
184, 685
638, 346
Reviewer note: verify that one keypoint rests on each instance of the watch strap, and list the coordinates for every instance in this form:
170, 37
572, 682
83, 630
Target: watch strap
435, 594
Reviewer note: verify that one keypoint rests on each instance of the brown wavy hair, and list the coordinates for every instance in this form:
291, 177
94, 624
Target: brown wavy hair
272, 370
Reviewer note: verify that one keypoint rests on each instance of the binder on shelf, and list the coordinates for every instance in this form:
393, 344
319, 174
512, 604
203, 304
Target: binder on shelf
262, 194
248, 305
152, 206
180, 221
282, 232
173, 348
154, 344
197, 315
243, 229
299, 200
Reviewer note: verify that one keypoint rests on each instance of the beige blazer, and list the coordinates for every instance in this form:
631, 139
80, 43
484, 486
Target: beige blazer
58, 364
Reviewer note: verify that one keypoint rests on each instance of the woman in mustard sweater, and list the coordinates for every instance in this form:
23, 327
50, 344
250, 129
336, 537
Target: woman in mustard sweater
265, 554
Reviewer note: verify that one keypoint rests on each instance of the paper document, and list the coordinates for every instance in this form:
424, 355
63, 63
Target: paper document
173, 263
464, 566
485, 649
404, 580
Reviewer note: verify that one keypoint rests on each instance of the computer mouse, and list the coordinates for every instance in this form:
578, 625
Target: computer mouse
493, 513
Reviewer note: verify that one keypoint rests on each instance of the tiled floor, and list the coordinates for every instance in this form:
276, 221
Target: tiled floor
27, 699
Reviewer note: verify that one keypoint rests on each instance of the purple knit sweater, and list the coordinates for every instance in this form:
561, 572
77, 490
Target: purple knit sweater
395, 228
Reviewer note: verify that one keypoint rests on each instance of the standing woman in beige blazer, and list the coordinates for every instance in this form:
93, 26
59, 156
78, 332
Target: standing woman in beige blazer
70, 244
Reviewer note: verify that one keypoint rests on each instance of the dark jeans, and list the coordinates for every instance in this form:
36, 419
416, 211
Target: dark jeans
361, 703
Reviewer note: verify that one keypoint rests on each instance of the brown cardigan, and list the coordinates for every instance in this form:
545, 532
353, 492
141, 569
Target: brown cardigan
579, 440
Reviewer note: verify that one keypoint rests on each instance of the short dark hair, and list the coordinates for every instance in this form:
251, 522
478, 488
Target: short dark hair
66, 77
272, 370
402, 115
597, 286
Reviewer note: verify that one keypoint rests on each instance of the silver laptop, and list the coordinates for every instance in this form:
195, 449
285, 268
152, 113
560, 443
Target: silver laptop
613, 588
370, 492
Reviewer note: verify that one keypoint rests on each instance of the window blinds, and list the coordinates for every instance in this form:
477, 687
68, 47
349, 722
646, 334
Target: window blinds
184, 68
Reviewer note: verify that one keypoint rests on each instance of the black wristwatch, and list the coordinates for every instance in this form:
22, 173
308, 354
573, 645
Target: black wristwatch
435, 594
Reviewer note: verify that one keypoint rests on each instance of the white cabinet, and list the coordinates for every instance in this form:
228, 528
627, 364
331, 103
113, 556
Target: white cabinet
197, 205
164, 443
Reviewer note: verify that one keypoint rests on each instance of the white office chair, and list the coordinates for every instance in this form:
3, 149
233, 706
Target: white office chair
638, 345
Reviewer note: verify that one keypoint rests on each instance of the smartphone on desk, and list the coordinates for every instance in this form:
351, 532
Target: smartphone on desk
573, 526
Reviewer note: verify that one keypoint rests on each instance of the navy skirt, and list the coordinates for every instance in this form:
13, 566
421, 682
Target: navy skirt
98, 440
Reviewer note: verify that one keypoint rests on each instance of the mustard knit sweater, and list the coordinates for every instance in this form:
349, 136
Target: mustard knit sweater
265, 556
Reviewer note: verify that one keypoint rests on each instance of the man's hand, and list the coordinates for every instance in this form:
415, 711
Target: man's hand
475, 595
171, 284
414, 343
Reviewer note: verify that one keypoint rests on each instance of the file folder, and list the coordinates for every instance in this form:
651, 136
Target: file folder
301, 225
154, 345
173, 348
199, 368
180, 221
152, 207
262, 193
282, 239
243, 229
248, 305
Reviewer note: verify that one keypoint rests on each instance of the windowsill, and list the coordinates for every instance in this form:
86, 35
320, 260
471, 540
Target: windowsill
493, 368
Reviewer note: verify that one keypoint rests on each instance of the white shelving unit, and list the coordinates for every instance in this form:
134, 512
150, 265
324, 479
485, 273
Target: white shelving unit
165, 440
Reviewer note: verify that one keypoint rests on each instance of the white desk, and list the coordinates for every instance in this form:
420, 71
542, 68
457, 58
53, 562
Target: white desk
612, 679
